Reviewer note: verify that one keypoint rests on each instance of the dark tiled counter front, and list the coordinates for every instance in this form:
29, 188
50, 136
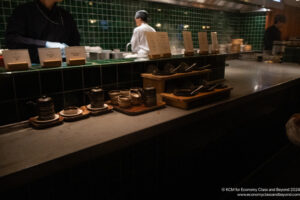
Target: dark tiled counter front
67, 84
27, 154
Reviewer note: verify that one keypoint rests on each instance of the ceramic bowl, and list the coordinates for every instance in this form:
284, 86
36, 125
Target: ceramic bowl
124, 101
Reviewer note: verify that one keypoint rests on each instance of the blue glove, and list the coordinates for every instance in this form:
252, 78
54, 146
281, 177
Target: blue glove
62, 47
56, 45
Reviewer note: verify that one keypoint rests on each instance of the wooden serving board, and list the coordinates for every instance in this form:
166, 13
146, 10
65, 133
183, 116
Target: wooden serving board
189, 53
52, 63
45, 125
174, 76
76, 62
17, 66
137, 110
193, 101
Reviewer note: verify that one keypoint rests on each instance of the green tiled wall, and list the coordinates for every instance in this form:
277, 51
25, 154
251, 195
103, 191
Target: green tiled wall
109, 23
252, 27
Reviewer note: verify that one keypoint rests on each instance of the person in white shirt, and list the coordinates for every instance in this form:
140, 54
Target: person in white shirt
138, 41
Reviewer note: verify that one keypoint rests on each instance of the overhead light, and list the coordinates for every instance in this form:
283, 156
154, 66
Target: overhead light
92, 21
261, 10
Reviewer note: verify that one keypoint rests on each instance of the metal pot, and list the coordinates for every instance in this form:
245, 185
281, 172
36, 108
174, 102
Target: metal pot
45, 108
96, 96
150, 96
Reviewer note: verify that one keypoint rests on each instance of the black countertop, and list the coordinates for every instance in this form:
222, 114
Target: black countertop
27, 150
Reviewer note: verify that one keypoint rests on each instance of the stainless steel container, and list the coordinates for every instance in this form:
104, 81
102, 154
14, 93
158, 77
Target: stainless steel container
116, 55
105, 54
94, 56
278, 47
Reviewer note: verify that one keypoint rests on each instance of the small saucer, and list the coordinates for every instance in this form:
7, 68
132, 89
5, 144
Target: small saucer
36, 120
89, 107
78, 112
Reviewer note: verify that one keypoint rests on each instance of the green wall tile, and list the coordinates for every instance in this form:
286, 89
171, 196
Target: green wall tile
115, 21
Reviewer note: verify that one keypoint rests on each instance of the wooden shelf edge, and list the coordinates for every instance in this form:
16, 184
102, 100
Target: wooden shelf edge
174, 76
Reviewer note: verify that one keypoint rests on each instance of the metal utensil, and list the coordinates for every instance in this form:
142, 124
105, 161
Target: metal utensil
190, 68
204, 67
178, 69
208, 83
195, 91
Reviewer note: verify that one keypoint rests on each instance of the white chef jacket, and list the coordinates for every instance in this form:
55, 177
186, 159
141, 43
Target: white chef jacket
139, 42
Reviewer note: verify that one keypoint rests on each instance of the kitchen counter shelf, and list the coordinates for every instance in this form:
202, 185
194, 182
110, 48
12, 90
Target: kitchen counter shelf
47, 151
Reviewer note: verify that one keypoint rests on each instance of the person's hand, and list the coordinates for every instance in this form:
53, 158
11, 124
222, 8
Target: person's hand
56, 45
61, 46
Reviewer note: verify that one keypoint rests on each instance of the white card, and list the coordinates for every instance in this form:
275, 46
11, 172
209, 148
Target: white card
49, 54
16, 56
188, 41
76, 52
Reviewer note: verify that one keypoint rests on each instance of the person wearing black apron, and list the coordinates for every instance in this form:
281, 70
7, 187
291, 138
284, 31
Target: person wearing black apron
273, 32
41, 24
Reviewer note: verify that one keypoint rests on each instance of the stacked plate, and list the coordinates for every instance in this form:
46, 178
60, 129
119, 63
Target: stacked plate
38, 121
71, 112
101, 109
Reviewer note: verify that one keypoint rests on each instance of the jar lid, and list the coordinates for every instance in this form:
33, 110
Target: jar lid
149, 88
96, 90
44, 99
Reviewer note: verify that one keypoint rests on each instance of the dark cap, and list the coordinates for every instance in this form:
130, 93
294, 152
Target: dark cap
142, 14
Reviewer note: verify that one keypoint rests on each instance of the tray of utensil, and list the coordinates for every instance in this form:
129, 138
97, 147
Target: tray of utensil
170, 72
138, 109
205, 93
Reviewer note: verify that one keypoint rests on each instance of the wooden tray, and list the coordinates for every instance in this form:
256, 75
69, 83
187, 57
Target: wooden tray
193, 101
189, 53
45, 125
97, 113
137, 110
85, 114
